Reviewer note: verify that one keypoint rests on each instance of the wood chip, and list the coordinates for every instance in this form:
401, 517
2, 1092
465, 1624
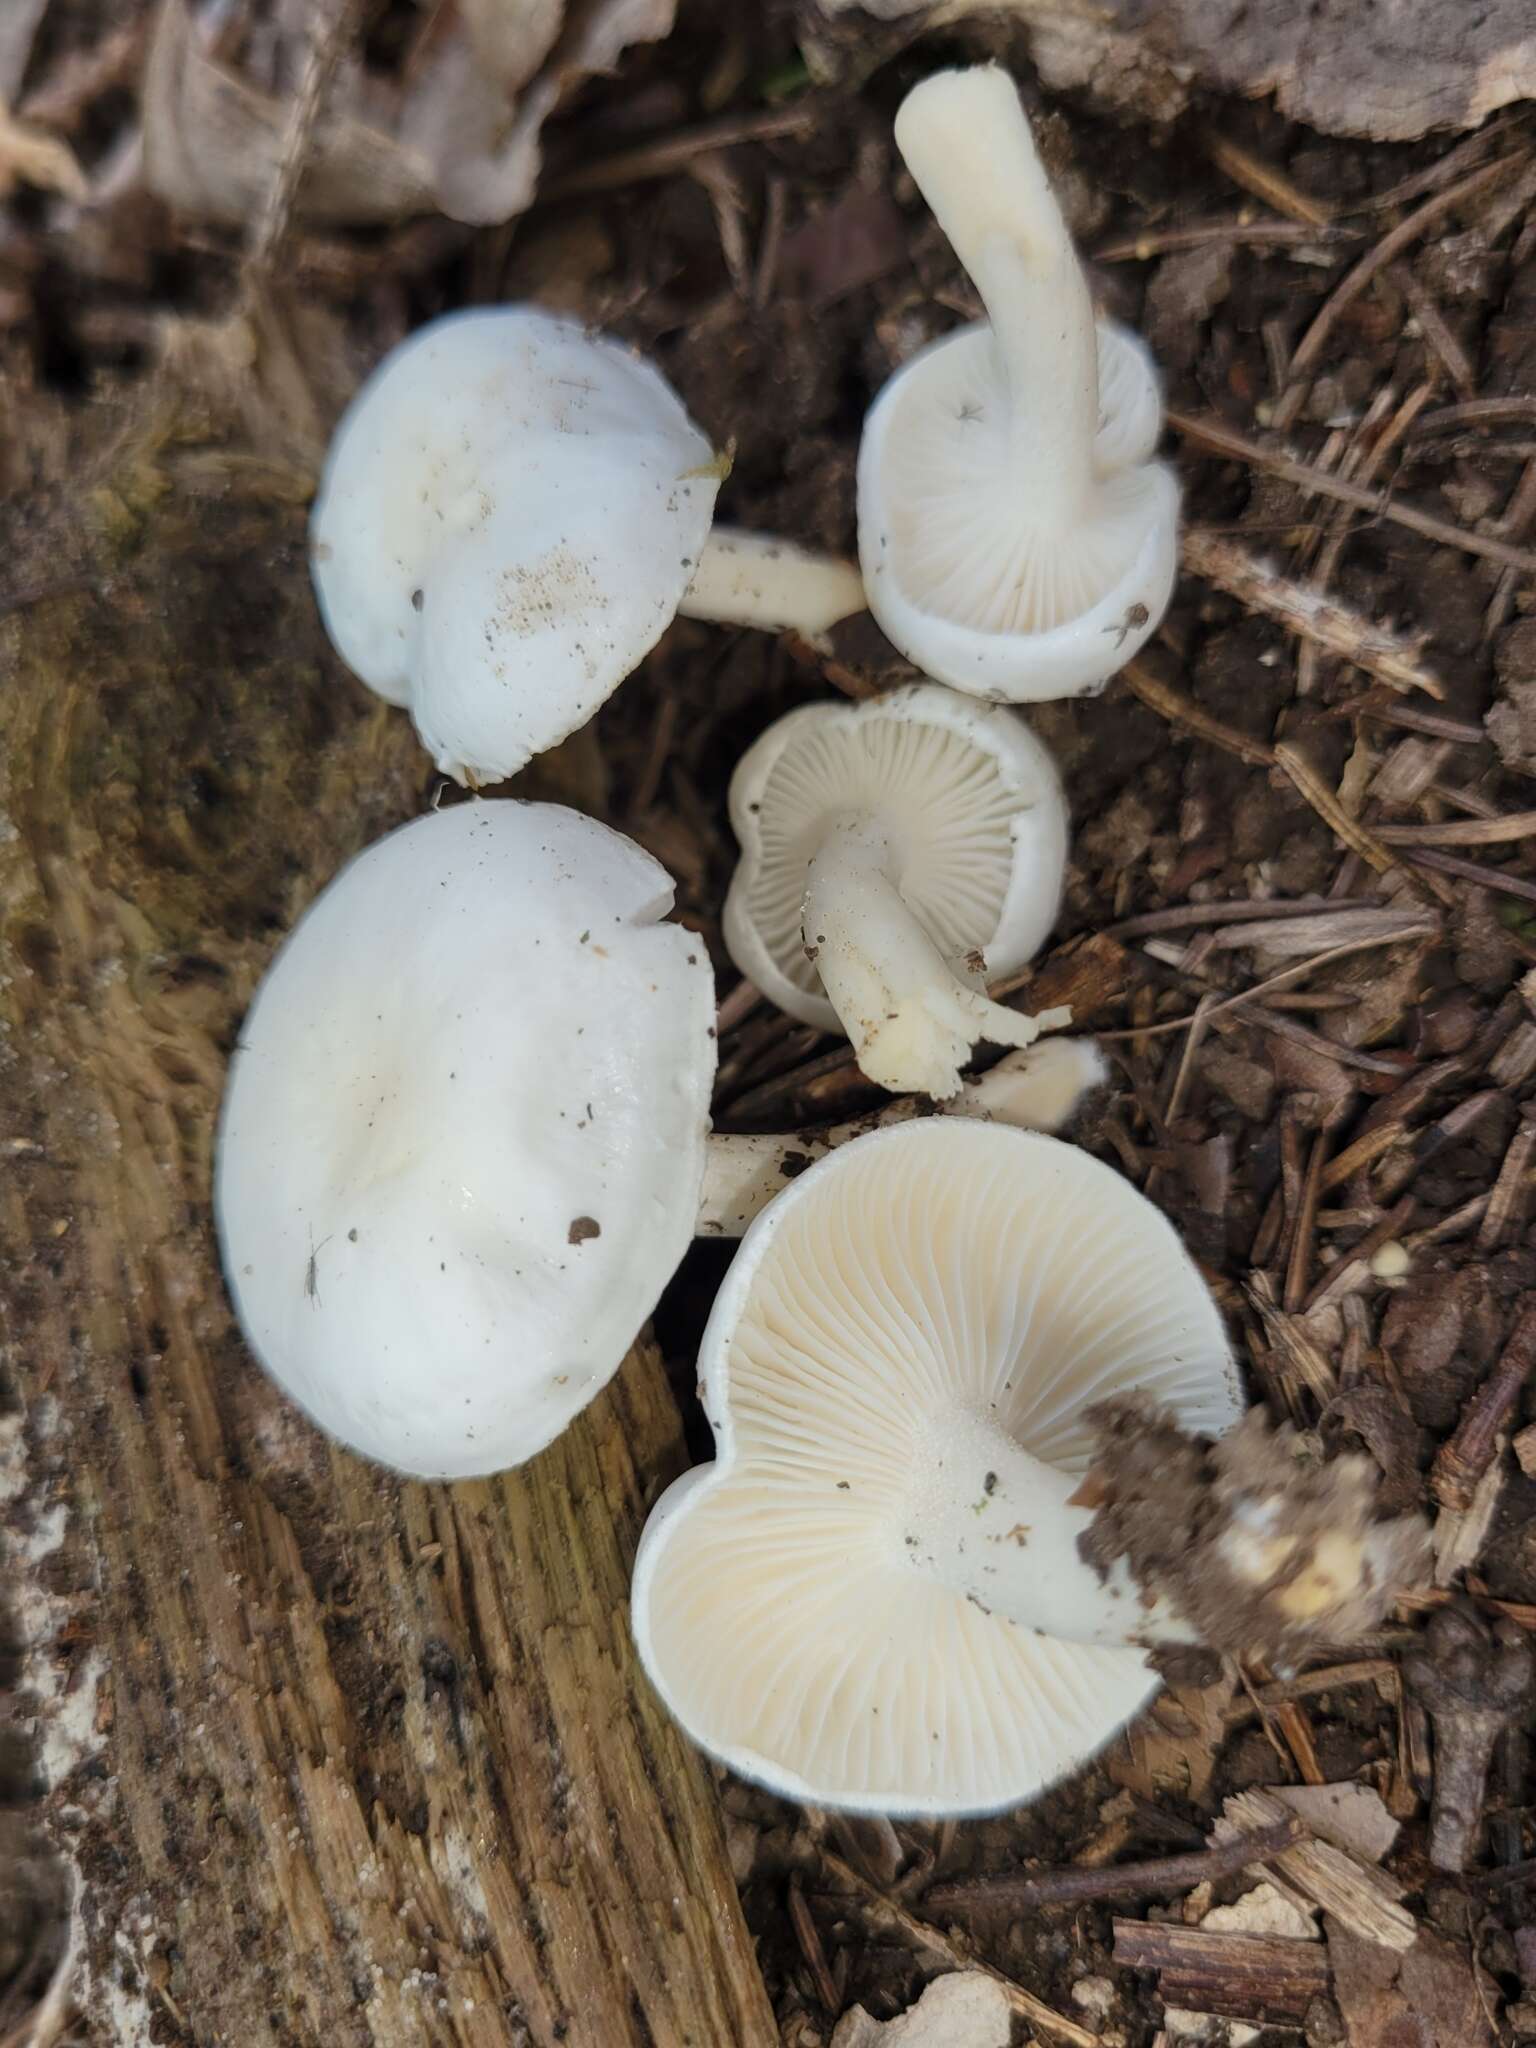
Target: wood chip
1505, 1213
1255, 1977
1363, 1899
1291, 937
1353, 1817
1293, 1344
1460, 1533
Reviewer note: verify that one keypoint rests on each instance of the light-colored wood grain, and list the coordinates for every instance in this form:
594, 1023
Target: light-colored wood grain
371, 1764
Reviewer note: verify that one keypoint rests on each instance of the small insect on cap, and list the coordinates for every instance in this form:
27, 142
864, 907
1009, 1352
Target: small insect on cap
1017, 541
463, 1136
510, 512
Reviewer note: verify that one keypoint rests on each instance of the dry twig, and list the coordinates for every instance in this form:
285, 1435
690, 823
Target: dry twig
1391, 245
1075, 1884
1220, 439
1181, 710
1304, 610
890, 1916
1357, 837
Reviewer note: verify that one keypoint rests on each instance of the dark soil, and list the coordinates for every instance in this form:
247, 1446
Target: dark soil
844, 275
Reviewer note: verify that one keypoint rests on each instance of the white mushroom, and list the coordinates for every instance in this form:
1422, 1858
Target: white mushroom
894, 853
511, 513
1016, 539
756, 579
463, 1138
876, 1598
1037, 1089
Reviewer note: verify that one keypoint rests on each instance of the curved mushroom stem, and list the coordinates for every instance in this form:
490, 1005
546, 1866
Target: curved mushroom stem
1242, 1546
964, 137
911, 1017
1036, 1089
755, 579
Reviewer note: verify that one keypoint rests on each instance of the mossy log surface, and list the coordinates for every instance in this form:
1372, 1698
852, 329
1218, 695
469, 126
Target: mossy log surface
345, 1760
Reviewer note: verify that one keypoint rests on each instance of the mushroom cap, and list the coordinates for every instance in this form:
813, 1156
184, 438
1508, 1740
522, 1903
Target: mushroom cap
969, 581
970, 793
510, 512
463, 1135
927, 1265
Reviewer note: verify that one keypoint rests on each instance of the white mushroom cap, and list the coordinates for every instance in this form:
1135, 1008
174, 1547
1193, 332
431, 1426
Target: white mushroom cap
463, 1137
959, 810
1015, 538
917, 1314
510, 512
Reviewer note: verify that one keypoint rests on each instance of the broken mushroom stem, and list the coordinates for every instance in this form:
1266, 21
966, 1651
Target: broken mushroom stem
1474, 1680
912, 1016
756, 579
1037, 1089
1245, 1546
965, 139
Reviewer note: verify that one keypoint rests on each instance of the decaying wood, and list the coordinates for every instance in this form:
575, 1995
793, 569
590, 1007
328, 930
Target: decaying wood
370, 1762
1239, 1976
1363, 1899
1475, 1680
1466, 1455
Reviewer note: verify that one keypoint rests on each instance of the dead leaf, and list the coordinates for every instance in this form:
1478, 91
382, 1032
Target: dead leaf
1174, 1745
1426, 1997
213, 143
481, 142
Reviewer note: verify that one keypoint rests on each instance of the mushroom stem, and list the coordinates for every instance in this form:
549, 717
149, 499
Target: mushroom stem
1242, 1547
911, 1017
1035, 1089
966, 140
756, 579
991, 1522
